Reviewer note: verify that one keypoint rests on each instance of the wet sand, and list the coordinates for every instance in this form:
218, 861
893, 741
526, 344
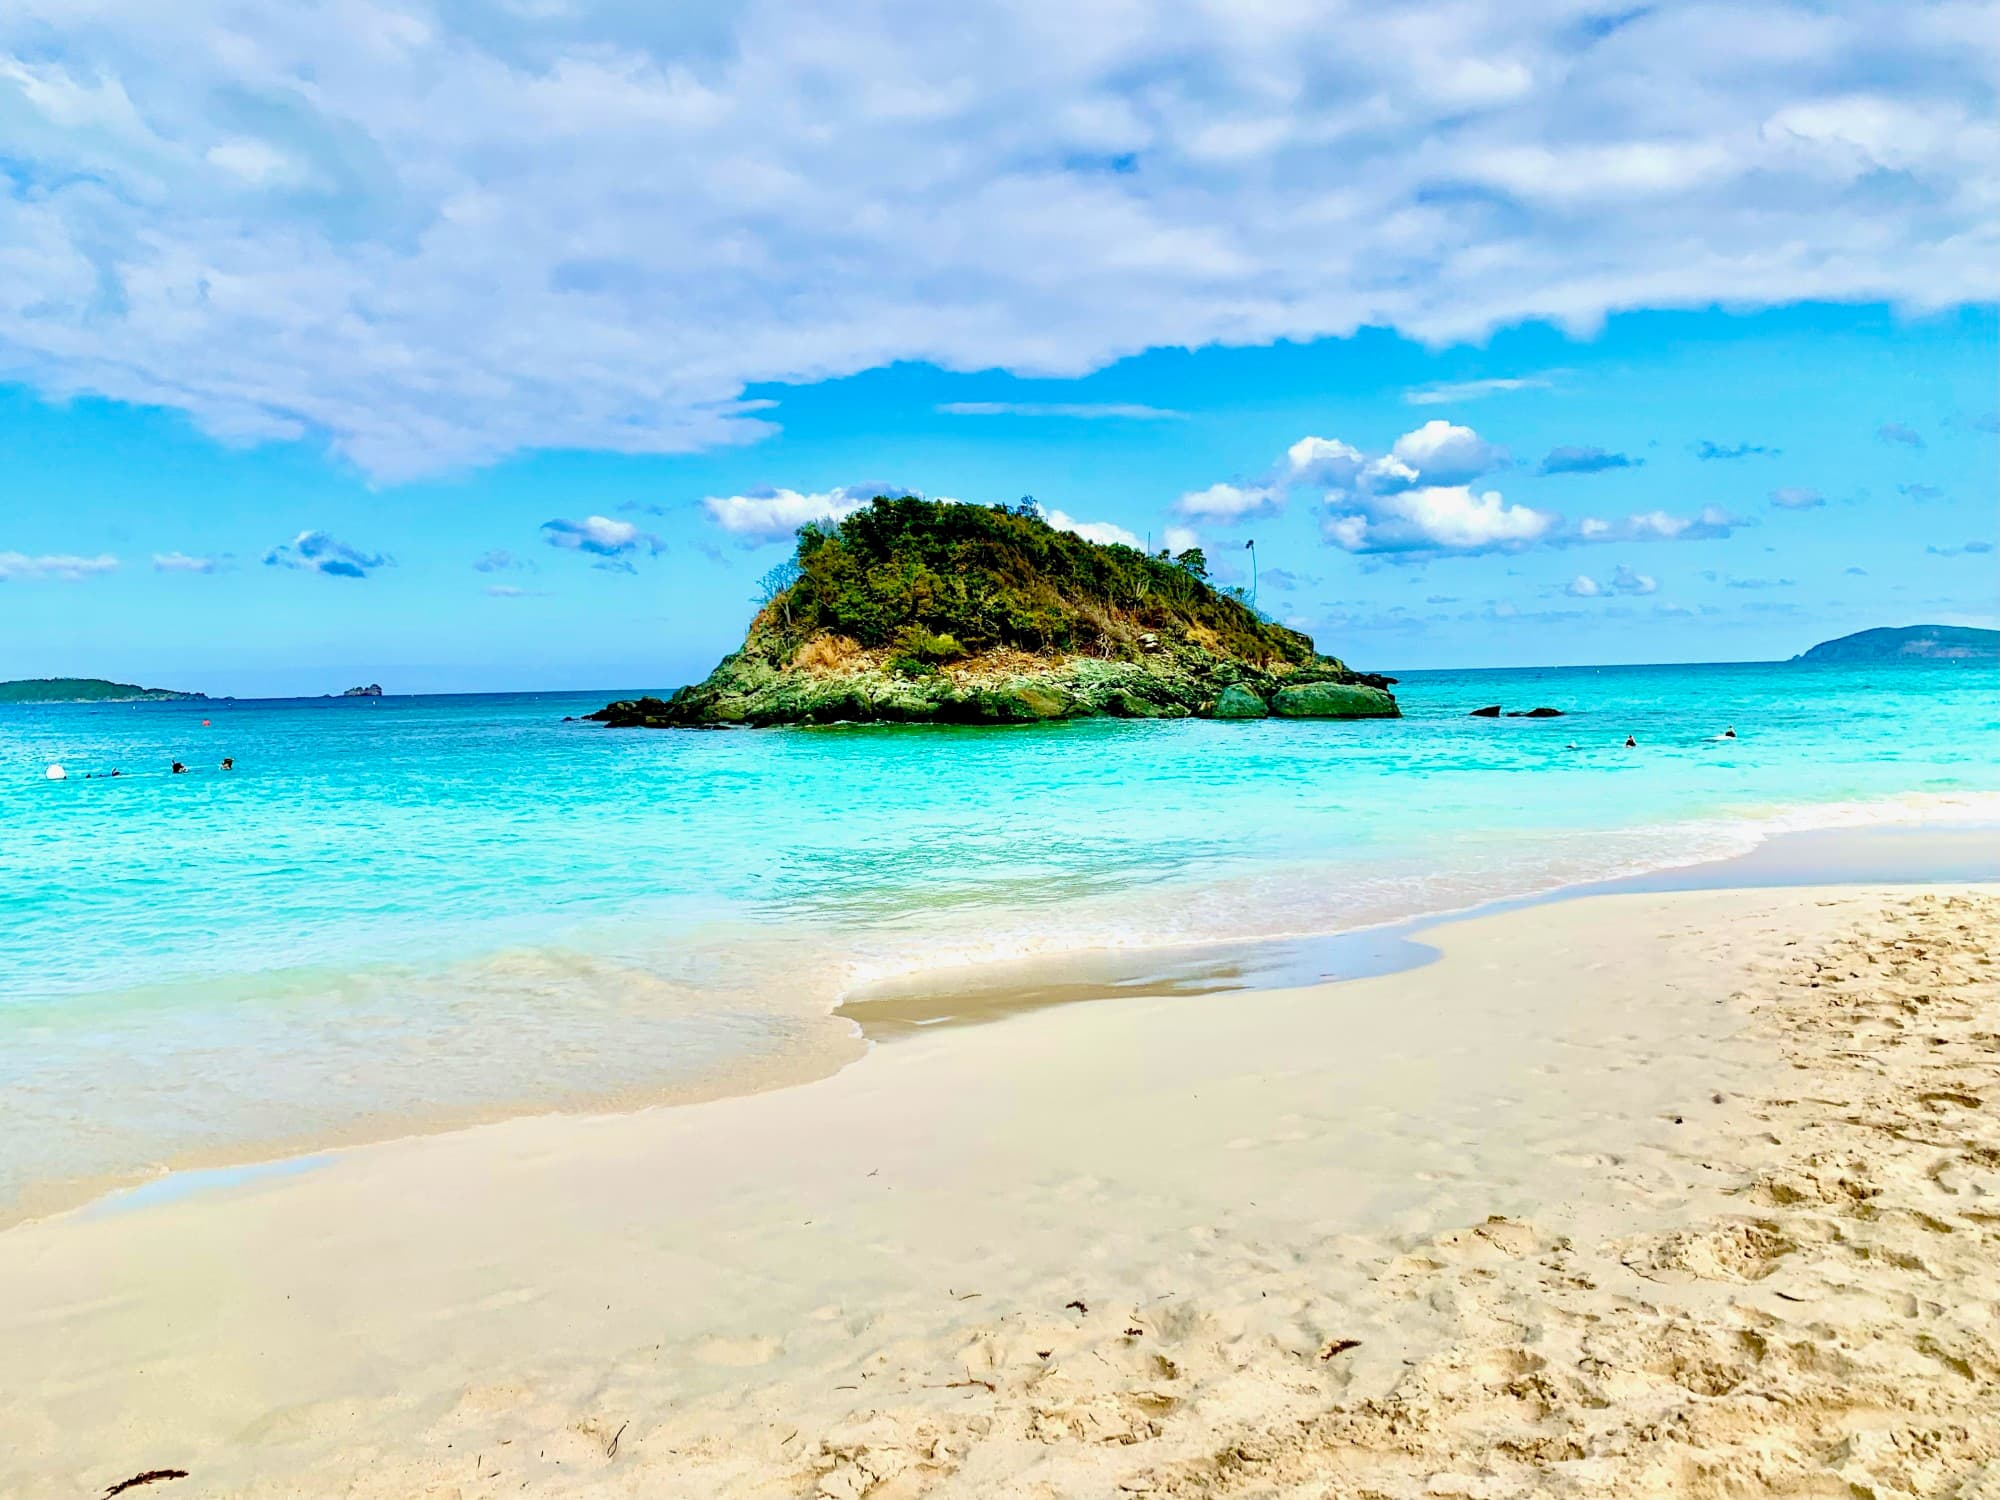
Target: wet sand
1915, 854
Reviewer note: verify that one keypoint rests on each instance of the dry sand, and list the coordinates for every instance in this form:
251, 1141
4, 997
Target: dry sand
1685, 1194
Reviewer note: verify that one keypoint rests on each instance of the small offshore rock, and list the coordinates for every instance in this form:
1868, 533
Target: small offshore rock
1491, 711
1536, 713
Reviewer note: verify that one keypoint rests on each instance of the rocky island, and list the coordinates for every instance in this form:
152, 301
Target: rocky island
920, 611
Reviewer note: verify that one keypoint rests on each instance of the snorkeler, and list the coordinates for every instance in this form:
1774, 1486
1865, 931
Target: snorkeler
178, 768
228, 762
1630, 743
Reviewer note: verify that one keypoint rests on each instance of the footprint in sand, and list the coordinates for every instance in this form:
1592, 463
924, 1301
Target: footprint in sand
1744, 1251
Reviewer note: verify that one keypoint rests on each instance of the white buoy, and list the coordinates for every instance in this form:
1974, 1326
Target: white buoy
57, 773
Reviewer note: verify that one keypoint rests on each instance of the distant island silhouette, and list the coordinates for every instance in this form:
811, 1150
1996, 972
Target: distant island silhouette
88, 690
1909, 643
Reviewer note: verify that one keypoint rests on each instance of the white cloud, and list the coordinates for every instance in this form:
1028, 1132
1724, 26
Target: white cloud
773, 514
1450, 392
1414, 498
1082, 410
1709, 523
1326, 462
1181, 538
254, 161
1441, 518
181, 562
316, 552
442, 234
1440, 452
1093, 531
58, 565
599, 534
1230, 502
1625, 581
1796, 497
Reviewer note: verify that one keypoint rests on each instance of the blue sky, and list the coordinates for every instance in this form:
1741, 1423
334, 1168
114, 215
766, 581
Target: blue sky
463, 347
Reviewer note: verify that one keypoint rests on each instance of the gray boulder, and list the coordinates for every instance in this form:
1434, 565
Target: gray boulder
1239, 701
1333, 700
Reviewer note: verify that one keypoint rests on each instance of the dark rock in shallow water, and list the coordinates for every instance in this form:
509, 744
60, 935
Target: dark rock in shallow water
634, 713
1239, 701
1536, 713
1491, 711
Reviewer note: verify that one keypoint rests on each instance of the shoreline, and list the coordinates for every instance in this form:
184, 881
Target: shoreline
1913, 852
1878, 854
1280, 1223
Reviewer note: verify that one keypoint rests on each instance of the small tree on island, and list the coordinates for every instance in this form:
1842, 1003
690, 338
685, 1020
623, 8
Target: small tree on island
774, 584
1193, 562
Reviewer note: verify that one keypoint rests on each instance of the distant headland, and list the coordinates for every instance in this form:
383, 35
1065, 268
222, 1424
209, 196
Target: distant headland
88, 690
921, 611
1909, 643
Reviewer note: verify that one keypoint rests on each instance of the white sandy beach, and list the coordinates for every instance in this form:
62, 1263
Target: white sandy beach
1682, 1194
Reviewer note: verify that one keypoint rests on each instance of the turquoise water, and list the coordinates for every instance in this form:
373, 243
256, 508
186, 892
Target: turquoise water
412, 910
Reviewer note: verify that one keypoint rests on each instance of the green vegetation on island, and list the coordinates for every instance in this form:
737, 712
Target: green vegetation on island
1909, 643
87, 690
925, 611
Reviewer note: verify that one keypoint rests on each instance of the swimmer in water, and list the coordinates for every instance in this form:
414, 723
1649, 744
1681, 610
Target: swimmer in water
1729, 733
178, 768
228, 762
1630, 743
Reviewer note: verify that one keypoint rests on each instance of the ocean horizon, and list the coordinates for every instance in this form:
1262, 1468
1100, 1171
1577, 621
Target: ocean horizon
408, 912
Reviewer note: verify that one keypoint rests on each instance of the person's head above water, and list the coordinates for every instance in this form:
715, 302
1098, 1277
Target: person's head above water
1729, 733
178, 768
228, 762
1630, 743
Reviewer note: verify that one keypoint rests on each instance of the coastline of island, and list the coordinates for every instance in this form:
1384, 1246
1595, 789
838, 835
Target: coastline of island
89, 690
924, 611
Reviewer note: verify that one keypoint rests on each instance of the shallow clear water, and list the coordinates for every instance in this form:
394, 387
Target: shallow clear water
421, 909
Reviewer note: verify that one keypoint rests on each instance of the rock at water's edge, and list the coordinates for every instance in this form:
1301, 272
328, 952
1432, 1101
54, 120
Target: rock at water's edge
1333, 700
1536, 713
1240, 702
1491, 711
